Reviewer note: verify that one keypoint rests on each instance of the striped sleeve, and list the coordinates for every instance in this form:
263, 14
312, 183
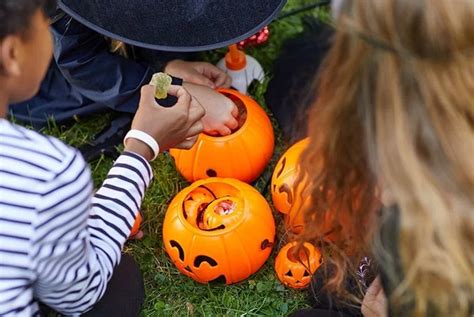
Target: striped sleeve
79, 237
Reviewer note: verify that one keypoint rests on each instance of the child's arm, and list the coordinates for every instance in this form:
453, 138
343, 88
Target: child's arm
76, 250
199, 73
77, 240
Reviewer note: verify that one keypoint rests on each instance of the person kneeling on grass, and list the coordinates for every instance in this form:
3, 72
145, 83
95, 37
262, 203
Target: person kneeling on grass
59, 245
86, 77
394, 120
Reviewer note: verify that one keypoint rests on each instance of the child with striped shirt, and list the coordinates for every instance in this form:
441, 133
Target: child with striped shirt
60, 245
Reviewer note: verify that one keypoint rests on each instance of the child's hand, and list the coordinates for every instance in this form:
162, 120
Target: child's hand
221, 112
200, 73
177, 126
375, 301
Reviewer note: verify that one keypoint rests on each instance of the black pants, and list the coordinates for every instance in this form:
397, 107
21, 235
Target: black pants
291, 91
326, 304
124, 295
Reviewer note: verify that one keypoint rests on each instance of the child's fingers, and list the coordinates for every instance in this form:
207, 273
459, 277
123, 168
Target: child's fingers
195, 129
223, 80
147, 94
188, 143
184, 98
179, 92
224, 131
375, 287
211, 71
235, 111
219, 76
196, 112
213, 133
228, 82
232, 123
200, 79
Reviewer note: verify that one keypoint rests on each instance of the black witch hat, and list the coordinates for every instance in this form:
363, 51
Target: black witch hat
175, 25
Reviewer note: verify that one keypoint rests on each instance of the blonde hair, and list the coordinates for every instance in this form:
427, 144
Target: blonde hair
119, 48
395, 109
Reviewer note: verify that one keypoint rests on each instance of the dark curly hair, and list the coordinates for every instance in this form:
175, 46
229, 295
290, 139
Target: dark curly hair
15, 15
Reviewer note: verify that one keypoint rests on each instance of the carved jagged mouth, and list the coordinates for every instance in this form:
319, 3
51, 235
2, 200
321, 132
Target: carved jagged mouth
198, 261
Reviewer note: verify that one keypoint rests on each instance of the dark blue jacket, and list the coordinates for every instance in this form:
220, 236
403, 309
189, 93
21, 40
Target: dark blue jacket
83, 78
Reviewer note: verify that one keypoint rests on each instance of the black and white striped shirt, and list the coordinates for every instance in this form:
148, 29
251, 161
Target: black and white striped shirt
59, 243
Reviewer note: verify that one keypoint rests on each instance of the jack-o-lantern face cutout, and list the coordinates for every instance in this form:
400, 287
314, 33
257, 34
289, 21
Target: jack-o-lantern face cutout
294, 269
284, 177
218, 230
243, 155
288, 198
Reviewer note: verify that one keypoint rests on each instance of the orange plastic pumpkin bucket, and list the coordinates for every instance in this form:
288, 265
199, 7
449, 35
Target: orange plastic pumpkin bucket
243, 155
295, 269
218, 230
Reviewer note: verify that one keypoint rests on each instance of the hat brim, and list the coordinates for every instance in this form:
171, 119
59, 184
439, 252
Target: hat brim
179, 29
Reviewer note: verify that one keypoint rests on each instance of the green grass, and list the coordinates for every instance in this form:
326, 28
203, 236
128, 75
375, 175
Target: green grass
170, 293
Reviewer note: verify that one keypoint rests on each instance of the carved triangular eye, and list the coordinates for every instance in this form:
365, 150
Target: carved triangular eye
283, 164
289, 273
306, 273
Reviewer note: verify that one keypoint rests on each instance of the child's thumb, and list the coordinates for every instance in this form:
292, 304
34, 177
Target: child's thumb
184, 98
147, 94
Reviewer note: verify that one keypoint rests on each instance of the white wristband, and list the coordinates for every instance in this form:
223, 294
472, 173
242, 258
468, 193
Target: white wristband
145, 138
